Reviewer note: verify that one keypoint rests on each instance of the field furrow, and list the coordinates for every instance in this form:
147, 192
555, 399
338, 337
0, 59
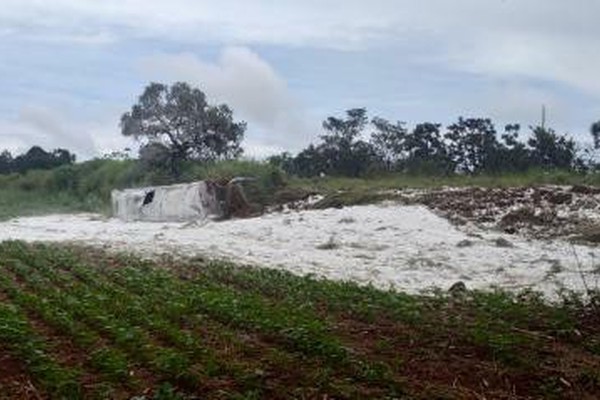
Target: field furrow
98, 325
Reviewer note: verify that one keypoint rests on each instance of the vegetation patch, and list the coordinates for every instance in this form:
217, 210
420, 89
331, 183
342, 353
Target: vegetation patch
330, 244
178, 329
352, 198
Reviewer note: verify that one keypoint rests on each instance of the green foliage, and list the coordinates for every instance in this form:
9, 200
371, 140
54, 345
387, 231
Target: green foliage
87, 186
266, 179
175, 123
18, 334
473, 145
389, 142
550, 150
167, 392
34, 158
595, 132
228, 331
363, 188
468, 146
79, 187
341, 152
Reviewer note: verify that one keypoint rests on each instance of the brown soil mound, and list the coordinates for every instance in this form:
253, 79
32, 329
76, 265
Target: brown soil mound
542, 212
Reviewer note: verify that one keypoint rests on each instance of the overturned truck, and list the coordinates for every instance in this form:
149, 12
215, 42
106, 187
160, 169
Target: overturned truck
182, 202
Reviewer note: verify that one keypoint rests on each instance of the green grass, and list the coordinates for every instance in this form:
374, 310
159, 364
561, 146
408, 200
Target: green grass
86, 186
70, 188
174, 329
400, 181
342, 191
15, 203
19, 336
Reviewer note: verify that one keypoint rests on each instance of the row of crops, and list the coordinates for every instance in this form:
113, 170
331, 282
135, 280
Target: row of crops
81, 323
131, 327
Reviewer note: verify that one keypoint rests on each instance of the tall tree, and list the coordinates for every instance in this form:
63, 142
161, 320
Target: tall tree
388, 140
342, 132
514, 156
550, 150
342, 147
311, 161
595, 131
472, 144
426, 151
62, 157
6, 162
178, 118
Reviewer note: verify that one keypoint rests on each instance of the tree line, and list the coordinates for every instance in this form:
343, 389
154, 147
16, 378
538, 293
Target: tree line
35, 158
175, 124
467, 146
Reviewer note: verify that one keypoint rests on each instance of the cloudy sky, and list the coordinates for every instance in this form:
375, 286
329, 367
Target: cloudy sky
70, 68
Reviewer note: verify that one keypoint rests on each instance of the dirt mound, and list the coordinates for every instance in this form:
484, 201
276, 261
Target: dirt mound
541, 212
585, 189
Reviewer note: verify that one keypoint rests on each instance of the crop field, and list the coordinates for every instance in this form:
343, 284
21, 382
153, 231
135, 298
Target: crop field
76, 322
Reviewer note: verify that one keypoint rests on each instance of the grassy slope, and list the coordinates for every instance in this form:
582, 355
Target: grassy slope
340, 191
395, 181
86, 324
87, 186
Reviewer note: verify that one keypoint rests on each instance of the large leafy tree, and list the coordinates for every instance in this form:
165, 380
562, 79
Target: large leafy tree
176, 123
550, 150
345, 152
472, 144
38, 158
426, 152
388, 141
513, 155
311, 161
6, 162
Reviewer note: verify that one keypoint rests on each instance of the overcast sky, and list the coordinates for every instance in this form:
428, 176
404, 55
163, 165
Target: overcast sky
70, 68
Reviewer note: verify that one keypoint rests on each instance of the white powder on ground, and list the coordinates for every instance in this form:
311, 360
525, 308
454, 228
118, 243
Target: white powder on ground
388, 245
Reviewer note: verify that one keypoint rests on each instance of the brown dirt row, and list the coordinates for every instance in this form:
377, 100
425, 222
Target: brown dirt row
15, 382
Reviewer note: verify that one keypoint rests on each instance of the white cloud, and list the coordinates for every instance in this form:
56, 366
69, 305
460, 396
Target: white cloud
555, 40
81, 38
520, 103
249, 85
568, 61
330, 24
51, 129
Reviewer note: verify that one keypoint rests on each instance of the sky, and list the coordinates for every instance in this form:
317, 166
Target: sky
70, 68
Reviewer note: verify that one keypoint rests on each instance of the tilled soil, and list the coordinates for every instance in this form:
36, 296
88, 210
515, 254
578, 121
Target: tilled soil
15, 382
